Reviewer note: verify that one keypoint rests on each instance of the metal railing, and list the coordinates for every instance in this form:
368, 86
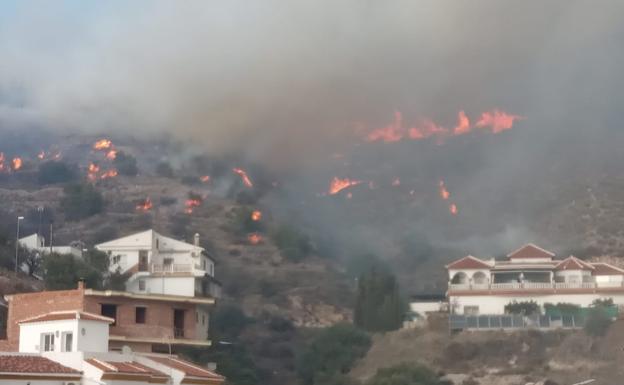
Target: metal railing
178, 333
171, 268
507, 322
533, 285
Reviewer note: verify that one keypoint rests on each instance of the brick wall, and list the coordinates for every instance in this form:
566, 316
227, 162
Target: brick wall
28, 305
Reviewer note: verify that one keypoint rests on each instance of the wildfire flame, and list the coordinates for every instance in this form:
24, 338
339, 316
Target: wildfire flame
93, 168
254, 238
102, 144
145, 206
337, 185
17, 163
205, 178
396, 182
41, 155
256, 215
109, 174
453, 209
111, 155
190, 204
244, 177
444, 193
495, 121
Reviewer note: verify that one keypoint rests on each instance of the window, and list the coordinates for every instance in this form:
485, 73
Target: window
203, 266
109, 310
139, 315
157, 243
67, 339
141, 284
212, 269
47, 342
203, 319
471, 310
116, 259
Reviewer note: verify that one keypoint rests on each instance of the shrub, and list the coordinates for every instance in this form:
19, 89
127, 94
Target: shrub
333, 351
164, 170
378, 306
228, 321
293, 244
406, 374
597, 322
605, 302
63, 271
523, 308
244, 223
126, 164
55, 172
562, 308
81, 201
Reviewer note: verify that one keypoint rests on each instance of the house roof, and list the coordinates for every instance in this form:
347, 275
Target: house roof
190, 370
127, 369
33, 364
67, 315
601, 268
469, 262
573, 263
530, 251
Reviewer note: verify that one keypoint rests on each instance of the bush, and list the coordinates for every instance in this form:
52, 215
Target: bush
164, 170
562, 308
55, 172
228, 321
604, 302
405, 374
63, 271
332, 352
126, 164
378, 306
293, 244
81, 201
522, 308
597, 322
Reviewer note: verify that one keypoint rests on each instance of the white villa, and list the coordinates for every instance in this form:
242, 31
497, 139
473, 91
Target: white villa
71, 348
37, 242
480, 286
163, 265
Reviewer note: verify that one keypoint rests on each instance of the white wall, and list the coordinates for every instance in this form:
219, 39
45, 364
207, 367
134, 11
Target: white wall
164, 285
95, 336
469, 272
423, 308
33, 382
201, 332
491, 304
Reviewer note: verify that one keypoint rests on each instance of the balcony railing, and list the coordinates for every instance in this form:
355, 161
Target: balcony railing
178, 333
533, 286
171, 268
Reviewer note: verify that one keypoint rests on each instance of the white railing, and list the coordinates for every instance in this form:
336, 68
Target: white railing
534, 285
171, 268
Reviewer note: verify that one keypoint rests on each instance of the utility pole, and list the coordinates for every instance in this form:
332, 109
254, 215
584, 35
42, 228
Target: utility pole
51, 222
17, 237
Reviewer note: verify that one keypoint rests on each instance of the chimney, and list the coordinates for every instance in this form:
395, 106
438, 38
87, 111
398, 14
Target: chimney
81, 284
196, 239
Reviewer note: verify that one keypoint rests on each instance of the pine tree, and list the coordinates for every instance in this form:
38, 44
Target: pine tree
378, 304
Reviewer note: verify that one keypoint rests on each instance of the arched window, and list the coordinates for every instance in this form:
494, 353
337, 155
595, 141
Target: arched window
460, 278
479, 278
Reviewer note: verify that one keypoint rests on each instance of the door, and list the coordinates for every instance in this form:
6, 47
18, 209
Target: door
143, 265
178, 323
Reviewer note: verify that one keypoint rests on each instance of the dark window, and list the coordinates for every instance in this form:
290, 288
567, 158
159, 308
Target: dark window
139, 315
109, 310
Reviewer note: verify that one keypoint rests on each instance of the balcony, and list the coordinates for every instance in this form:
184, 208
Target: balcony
554, 286
171, 268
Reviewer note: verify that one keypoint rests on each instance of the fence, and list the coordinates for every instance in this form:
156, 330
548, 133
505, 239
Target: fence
514, 322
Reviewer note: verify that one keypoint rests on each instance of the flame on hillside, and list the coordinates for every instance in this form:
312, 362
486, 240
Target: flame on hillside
254, 238
244, 177
41, 155
17, 163
256, 215
337, 185
111, 155
193, 201
102, 144
453, 209
145, 205
494, 121
109, 174
444, 193
205, 178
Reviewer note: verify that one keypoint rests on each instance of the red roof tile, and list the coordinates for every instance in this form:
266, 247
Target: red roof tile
601, 268
469, 262
124, 367
189, 369
67, 315
530, 251
33, 364
573, 263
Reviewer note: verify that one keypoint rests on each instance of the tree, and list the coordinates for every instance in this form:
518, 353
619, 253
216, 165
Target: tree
378, 306
80, 201
406, 374
228, 321
522, 308
63, 271
598, 321
32, 259
116, 280
126, 164
55, 172
293, 244
332, 352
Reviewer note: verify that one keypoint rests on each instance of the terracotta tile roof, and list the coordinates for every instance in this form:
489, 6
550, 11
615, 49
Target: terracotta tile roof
67, 315
530, 251
601, 268
573, 263
469, 262
188, 369
123, 367
33, 364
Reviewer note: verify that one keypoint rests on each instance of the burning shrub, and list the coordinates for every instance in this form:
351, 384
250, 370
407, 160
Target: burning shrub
81, 201
55, 172
247, 220
126, 164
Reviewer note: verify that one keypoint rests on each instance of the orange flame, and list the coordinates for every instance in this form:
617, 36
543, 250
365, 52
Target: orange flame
41, 155
337, 185
145, 206
109, 174
2, 161
463, 124
391, 133
396, 182
256, 215
190, 205
93, 168
111, 155
17, 163
444, 193
205, 178
254, 238
453, 209
102, 144
243, 176
497, 120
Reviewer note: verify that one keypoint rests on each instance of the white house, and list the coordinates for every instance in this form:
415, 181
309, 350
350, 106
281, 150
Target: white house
485, 286
71, 348
37, 242
163, 265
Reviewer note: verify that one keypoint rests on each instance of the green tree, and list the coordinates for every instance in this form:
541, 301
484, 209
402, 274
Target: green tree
523, 308
80, 201
598, 321
332, 352
126, 164
406, 374
378, 305
293, 244
63, 271
55, 172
